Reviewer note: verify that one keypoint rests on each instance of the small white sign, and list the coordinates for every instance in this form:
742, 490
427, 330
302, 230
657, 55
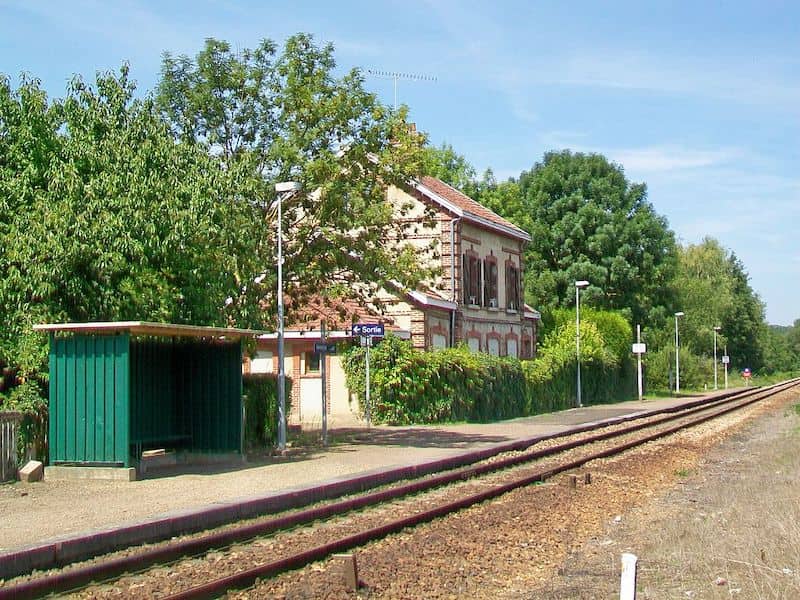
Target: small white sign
726, 360
639, 348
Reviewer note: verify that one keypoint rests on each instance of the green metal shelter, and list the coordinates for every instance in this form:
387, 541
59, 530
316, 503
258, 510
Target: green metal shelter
119, 388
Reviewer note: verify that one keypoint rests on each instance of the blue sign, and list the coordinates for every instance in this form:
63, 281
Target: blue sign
368, 329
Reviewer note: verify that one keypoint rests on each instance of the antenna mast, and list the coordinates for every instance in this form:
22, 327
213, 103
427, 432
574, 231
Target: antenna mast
395, 76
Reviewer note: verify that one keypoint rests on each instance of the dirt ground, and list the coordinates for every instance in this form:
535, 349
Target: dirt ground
729, 527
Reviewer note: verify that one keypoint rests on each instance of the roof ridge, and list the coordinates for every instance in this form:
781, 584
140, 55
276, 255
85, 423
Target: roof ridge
492, 216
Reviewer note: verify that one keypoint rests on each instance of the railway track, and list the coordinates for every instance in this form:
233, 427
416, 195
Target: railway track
414, 502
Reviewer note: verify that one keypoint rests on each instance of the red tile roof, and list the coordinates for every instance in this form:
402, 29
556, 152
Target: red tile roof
338, 314
469, 206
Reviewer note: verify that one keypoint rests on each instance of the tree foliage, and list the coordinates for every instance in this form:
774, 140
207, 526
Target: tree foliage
271, 115
711, 288
587, 221
451, 167
104, 217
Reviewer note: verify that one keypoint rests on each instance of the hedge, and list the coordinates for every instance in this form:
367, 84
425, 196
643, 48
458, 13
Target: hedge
454, 384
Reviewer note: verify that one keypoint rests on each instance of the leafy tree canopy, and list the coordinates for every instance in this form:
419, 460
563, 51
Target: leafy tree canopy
104, 217
589, 222
711, 287
270, 115
446, 164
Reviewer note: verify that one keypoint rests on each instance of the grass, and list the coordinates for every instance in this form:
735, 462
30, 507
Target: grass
737, 534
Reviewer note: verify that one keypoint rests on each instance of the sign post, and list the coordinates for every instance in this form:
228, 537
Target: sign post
725, 361
638, 349
367, 331
323, 348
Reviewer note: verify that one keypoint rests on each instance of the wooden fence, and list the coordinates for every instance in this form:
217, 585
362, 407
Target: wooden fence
9, 429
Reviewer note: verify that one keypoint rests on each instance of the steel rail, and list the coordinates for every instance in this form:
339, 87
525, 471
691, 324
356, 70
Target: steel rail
249, 577
82, 576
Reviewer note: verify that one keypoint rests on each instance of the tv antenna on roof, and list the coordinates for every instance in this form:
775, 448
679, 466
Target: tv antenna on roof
395, 76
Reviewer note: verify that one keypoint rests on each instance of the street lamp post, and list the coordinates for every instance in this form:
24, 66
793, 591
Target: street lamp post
677, 358
284, 189
578, 286
716, 330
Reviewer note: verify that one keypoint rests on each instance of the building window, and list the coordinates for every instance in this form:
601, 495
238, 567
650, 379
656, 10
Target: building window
472, 279
439, 341
493, 346
312, 362
511, 345
490, 283
261, 362
527, 347
512, 287
474, 344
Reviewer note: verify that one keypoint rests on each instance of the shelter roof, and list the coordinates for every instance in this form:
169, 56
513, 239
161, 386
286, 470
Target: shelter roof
147, 328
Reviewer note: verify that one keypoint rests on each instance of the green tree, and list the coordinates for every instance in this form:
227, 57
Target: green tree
271, 115
104, 217
446, 164
711, 287
589, 222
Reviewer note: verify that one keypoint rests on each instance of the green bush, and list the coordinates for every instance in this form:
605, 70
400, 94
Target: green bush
607, 373
261, 408
696, 371
29, 397
454, 384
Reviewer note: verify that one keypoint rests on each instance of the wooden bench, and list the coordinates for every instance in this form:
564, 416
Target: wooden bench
162, 441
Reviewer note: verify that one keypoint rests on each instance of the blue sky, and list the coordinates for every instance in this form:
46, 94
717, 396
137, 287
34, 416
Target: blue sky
700, 100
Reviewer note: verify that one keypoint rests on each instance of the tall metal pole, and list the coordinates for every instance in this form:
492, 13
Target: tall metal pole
324, 359
366, 382
281, 366
639, 360
578, 338
715, 358
726, 367
677, 360
286, 188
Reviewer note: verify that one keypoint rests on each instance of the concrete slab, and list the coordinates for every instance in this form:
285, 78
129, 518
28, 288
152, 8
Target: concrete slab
32, 471
70, 473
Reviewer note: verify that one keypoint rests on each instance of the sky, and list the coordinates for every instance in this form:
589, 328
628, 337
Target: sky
699, 100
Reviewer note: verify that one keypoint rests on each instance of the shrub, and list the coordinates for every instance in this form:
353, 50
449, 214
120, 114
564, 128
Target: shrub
453, 384
261, 408
696, 371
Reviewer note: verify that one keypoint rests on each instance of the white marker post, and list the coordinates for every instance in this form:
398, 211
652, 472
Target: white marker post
627, 581
726, 361
638, 349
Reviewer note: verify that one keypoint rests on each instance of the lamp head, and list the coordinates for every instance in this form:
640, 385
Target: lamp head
679, 314
581, 284
717, 328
